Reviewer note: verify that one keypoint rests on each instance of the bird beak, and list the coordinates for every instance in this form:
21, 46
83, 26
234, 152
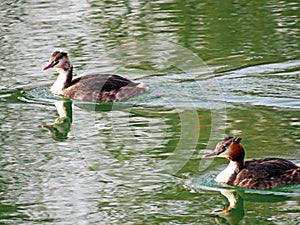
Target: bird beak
216, 154
211, 155
50, 65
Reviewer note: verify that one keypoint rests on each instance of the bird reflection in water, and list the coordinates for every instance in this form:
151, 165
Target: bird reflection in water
232, 213
60, 128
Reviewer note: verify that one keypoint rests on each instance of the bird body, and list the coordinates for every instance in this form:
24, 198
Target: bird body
263, 173
94, 87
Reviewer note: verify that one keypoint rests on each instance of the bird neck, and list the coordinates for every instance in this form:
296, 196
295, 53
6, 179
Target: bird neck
63, 80
230, 172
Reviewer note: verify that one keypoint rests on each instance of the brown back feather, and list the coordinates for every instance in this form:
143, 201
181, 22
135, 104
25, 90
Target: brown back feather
267, 173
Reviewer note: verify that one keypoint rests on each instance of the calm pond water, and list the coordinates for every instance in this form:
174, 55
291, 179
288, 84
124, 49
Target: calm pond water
215, 69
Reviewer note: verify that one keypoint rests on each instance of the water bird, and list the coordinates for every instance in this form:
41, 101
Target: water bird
262, 173
94, 87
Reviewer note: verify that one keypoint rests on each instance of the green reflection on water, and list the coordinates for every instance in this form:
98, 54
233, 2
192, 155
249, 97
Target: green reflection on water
101, 175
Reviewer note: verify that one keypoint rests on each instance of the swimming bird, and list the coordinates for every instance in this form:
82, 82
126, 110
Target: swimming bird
263, 173
94, 87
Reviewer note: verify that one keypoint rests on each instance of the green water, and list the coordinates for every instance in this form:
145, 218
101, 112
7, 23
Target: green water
214, 68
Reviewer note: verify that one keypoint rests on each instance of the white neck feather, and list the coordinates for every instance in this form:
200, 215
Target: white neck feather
225, 175
58, 86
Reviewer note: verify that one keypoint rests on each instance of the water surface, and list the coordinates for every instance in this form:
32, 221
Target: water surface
215, 69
